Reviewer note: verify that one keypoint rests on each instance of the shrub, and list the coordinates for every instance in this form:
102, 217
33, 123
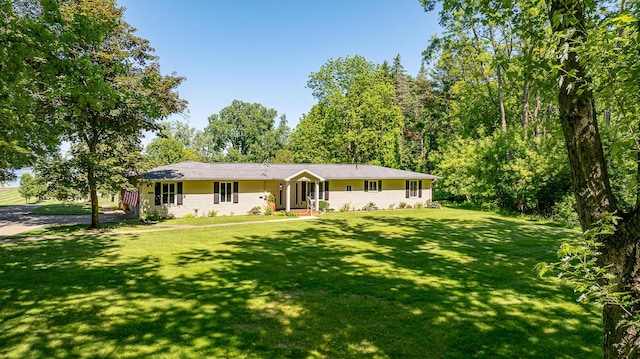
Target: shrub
402, 205
345, 207
212, 213
291, 214
280, 213
255, 211
392, 206
323, 206
408, 206
189, 215
268, 211
418, 205
564, 212
370, 207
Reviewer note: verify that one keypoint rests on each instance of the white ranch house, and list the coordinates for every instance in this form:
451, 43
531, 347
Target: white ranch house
236, 188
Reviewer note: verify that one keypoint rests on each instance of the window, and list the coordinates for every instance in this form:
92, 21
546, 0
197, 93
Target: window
373, 186
166, 194
414, 189
226, 192
348, 188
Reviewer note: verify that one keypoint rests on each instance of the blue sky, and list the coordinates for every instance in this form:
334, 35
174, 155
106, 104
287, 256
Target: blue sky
263, 51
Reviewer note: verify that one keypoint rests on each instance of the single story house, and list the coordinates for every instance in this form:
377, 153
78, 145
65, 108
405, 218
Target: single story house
236, 188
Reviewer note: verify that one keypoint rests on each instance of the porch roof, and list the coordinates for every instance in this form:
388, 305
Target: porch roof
193, 171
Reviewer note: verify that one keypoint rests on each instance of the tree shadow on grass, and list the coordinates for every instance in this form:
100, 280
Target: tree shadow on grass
380, 286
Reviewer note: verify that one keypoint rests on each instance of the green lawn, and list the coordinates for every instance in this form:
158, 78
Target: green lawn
11, 196
65, 209
389, 284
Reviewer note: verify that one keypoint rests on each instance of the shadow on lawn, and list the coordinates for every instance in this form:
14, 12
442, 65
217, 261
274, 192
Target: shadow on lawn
379, 286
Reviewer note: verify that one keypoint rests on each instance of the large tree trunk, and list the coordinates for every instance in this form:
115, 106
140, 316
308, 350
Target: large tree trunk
591, 182
93, 193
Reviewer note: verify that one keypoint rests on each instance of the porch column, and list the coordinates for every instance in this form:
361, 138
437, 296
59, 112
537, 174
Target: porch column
317, 196
288, 198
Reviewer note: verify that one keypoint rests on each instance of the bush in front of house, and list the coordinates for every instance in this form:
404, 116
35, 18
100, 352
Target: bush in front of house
371, 206
255, 211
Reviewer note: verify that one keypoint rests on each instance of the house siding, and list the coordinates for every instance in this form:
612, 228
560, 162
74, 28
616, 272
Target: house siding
393, 192
199, 195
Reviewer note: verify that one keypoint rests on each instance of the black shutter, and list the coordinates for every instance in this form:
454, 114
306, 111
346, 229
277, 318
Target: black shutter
326, 190
304, 191
407, 187
158, 194
216, 192
420, 189
179, 193
379, 185
366, 186
235, 192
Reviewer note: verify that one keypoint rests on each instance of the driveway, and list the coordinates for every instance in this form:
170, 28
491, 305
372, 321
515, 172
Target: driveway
16, 219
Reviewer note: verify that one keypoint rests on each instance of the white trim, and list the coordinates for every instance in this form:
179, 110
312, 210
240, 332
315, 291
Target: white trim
320, 178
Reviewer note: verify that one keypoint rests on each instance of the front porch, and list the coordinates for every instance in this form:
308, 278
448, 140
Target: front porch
301, 191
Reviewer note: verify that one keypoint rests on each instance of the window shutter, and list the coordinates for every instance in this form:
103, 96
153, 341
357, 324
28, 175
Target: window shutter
216, 192
179, 203
304, 191
407, 192
235, 192
420, 189
366, 186
379, 185
158, 194
326, 190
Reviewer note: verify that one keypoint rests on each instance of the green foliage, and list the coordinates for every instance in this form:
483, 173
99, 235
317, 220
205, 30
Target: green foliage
31, 187
268, 211
323, 205
291, 214
354, 121
189, 215
255, 211
504, 170
371, 206
346, 207
244, 132
580, 267
164, 151
402, 205
565, 212
113, 90
212, 213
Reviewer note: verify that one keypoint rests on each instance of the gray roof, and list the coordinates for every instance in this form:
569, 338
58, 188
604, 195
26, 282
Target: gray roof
192, 171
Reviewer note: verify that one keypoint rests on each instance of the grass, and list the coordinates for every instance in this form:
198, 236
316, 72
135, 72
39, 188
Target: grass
134, 225
65, 209
11, 197
390, 284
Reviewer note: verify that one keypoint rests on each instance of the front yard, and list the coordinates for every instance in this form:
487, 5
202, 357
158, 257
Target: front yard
399, 284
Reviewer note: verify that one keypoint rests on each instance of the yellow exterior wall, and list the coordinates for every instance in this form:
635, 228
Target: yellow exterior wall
198, 195
393, 192
198, 199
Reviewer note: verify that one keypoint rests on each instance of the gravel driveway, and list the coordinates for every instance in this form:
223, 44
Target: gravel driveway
16, 219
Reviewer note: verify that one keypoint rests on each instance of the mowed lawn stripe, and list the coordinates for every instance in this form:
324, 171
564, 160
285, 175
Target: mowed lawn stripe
388, 284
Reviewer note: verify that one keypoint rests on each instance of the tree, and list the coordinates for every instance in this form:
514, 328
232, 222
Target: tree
595, 45
113, 90
245, 131
166, 150
31, 187
571, 24
355, 120
29, 86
